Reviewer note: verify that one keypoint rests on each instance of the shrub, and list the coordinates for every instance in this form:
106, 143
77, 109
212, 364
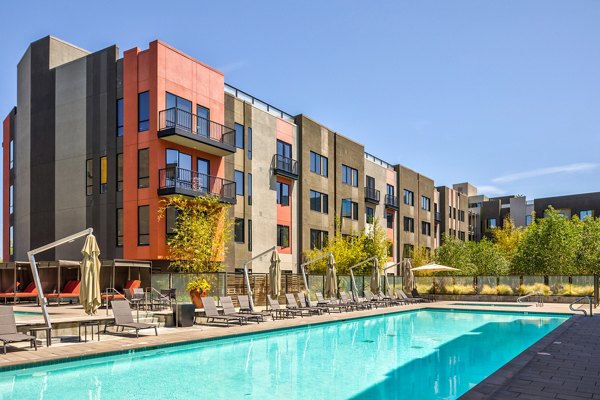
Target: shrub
537, 287
487, 289
504, 290
575, 290
424, 288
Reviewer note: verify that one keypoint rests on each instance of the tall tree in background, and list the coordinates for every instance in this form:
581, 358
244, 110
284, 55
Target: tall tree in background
588, 257
507, 238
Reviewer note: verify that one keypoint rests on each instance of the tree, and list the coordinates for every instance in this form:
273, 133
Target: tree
588, 256
454, 253
507, 238
201, 231
549, 246
421, 256
486, 258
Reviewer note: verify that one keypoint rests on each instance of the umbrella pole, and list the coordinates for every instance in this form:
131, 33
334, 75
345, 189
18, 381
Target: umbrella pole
247, 277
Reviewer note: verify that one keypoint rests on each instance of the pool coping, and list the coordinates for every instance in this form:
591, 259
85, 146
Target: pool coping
497, 381
142, 346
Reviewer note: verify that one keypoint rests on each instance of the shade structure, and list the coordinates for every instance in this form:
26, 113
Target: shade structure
89, 295
433, 267
375, 277
408, 275
275, 275
330, 288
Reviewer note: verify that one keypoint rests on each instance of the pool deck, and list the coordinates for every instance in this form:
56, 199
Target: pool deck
111, 342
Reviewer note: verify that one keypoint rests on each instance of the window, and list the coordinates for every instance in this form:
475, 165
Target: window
349, 176
143, 111
103, 174
119, 227
585, 213
11, 199
318, 239
370, 182
319, 202
389, 189
143, 168
283, 193
249, 143
461, 235
318, 164
170, 221
284, 149
11, 154
390, 220
491, 223
409, 224
449, 211
11, 240
249, 189
425, 203
390, 248
119, 117
143, 226
349, 209
370, 215
239, 183
461, 215
283, 236
408, 250
202, 126
426, 228
249, 235
89, 177
120, 172
239, 136
238, 230
409, 197
528, 220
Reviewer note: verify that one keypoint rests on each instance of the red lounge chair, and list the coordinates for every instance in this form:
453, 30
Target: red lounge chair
70, 291
29, 292
132, 284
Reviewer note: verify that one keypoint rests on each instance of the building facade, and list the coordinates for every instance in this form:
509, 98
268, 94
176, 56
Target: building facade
580, 205
454, 210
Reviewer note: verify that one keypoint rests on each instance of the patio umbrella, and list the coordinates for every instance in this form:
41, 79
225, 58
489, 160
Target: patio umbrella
408, 275
433, 267
375, 277
89, 295
275, 275
330, 279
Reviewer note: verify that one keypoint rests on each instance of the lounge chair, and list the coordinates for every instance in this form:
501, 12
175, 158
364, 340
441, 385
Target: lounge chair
305, 304
29, 292
246, 309
293, 305
229, 310
329, 304
278, 312
124, 318
392, 300
131, 284
70, 291
375, 301
8, 329
416, 295
212, 314
409, 300
353, 304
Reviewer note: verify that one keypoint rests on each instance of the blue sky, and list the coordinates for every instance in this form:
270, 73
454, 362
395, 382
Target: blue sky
504, 94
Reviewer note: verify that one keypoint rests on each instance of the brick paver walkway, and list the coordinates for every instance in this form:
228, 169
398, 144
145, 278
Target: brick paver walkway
563, 365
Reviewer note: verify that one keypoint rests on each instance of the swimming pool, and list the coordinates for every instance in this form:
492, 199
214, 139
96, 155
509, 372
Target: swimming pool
492, 305
421, 354
27, 314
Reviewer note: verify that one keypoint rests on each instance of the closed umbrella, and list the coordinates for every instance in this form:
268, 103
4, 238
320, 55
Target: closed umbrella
330, 279
375, 277
408, 275
89, 295
275, 275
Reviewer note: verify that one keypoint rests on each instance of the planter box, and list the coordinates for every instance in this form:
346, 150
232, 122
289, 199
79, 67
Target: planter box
183, 314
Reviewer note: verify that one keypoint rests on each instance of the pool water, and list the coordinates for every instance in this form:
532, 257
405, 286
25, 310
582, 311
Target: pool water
421, 354
491, 305
27, 314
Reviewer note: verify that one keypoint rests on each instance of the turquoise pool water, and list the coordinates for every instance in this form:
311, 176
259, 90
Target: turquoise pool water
422, 354
492, 305
26, 314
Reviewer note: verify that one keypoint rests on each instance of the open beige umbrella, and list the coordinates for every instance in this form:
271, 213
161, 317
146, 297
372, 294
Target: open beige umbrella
89, 295
375, 277
275, 275
433, 267
330, 279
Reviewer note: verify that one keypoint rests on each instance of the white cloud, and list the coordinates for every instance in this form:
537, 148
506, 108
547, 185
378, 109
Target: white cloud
490, 190
561, 169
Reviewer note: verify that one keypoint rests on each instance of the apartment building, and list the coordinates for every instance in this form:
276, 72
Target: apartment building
475, 202
454, 210
98, 141
580, 205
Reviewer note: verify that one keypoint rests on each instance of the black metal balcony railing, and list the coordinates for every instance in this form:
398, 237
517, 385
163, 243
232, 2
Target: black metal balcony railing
372, 195
285, 166
184, 181
391, 201
176, 118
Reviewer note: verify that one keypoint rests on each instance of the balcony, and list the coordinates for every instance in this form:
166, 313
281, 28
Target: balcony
372, 195
175, 181
189, 130
391, 201
284, 166
437, 216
